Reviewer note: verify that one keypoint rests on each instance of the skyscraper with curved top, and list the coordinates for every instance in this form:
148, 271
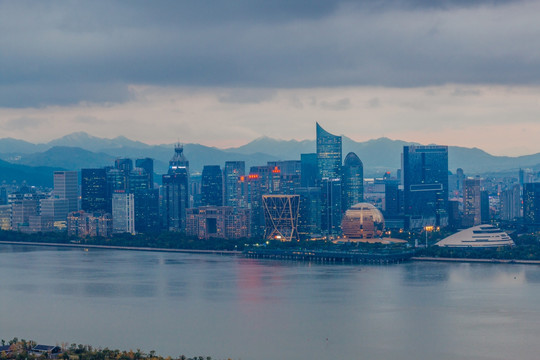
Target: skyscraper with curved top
353, 181
329, 154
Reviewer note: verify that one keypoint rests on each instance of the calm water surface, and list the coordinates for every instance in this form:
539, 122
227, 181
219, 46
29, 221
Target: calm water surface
223, 306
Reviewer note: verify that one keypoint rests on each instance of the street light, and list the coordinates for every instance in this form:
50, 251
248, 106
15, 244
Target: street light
428, 228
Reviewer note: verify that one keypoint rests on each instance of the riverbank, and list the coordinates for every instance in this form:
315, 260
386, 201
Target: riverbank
492, 261
130, 248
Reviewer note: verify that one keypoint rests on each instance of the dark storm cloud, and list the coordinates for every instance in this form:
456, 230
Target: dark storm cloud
67, 52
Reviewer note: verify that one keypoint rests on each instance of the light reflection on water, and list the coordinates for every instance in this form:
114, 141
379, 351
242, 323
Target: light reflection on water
258, 309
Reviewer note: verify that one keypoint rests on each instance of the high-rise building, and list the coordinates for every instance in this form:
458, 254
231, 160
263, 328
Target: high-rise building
231, 178
123, 213
331, 207
309, 217
309, 170
472, 215
139, 180
252, 187
485, 211
56, 209
329, 154
511, 203
176, 191
353, 181
94, 190
531, 203
146, 210
66, 186
281, 217
212, 186
23, 206
147, 164
425, 185
393, 199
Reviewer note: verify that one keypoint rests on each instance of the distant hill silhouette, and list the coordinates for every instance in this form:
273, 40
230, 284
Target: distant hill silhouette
80, 150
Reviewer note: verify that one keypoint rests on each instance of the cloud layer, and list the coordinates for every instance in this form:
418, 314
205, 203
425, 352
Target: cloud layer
58, 53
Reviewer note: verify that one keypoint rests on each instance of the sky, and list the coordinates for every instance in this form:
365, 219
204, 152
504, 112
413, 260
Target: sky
223, 73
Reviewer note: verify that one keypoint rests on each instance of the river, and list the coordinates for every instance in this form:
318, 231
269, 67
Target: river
231, 307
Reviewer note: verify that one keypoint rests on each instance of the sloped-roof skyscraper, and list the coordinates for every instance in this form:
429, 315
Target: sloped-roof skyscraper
329, 154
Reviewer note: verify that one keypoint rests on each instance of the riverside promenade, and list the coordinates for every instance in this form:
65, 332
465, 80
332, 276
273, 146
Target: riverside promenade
131, 248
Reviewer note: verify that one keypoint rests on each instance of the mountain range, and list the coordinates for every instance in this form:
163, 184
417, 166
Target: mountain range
81, 150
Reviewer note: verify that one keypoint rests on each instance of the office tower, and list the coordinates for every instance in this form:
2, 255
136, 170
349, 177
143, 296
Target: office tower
309, 217
471, 203
66, 186
331, 206
56, 209
40, 223
393, 199
218, 222
93, 190
147, 211
485, 214
147, 164
179, 162
22, 207
3, 196
511, 203
252, 187
231, 176
425, 185
353, 181
139, 180
285, 176
176, 191
212, 186
281, 217
287, 167
123, 213
328, 154
125, 166
531, 203
308, 169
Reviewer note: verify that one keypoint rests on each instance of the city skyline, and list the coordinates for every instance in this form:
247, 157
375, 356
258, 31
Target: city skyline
454, 73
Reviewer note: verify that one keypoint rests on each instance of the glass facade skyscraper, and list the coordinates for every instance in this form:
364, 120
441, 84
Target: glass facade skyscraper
232, 173
94, 190
531, 203
212, 186
329, 154
353, 181
425, 185
176, 191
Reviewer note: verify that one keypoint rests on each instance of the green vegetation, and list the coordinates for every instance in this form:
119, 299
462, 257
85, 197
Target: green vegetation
167, 240
21, 350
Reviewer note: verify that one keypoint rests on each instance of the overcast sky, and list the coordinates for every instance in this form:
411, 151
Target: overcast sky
223, 73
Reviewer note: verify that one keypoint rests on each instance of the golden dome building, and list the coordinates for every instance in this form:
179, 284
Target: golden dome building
362, 222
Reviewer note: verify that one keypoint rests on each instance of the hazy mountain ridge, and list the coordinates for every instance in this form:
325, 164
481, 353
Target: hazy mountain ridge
32, 175
79, 150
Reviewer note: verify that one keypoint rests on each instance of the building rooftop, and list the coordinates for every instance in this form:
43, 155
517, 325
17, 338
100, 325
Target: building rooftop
478, 237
